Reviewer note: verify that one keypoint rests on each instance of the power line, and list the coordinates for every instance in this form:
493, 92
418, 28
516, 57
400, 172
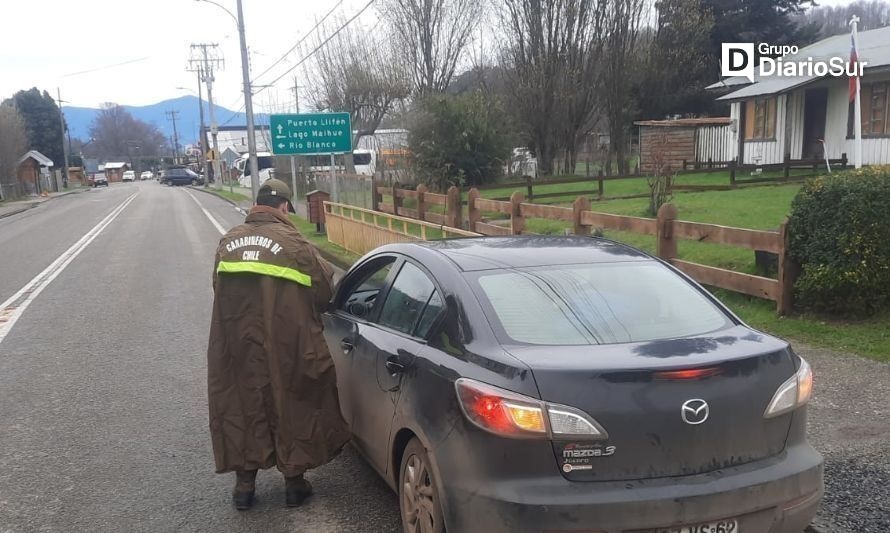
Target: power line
317, 48
97, 69
235, 114
294, 47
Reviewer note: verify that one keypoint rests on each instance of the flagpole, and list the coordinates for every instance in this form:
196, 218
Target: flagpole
857, 107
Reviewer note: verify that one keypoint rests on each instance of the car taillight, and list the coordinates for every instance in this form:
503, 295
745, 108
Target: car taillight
509, 414
792, 394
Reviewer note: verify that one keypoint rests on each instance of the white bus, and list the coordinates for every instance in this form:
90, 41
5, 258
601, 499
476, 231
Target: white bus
265, 163
365, 162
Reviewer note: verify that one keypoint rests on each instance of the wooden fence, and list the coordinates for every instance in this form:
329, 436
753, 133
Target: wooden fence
814, 166
422, 201
360, 230
791, 170
667, 231
510, 218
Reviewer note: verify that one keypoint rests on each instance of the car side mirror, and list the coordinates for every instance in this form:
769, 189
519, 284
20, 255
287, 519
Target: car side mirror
358, 309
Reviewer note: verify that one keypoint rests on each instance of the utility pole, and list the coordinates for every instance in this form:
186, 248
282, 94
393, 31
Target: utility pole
171, 115
205, 62
202, 133
293, 159
64, 146
248, 105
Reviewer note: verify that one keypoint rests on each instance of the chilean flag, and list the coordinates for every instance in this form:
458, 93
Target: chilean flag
854, 59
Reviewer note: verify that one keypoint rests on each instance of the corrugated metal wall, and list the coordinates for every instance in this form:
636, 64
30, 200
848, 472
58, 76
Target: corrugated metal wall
714, 143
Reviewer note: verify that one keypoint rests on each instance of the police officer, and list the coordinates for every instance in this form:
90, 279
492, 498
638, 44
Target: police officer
271, 381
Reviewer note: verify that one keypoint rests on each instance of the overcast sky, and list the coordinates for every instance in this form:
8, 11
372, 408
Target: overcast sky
45, 43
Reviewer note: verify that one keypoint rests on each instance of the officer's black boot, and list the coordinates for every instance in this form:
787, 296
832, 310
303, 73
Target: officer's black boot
245, 485
297, 490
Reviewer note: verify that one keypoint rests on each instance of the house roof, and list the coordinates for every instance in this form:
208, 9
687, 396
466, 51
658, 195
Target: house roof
36, 156
686, 122
114, 165
874, 50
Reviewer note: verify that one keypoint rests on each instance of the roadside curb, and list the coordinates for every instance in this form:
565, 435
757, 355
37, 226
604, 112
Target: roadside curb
17, 211
33, 204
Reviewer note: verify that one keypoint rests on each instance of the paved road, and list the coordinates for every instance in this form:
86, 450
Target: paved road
103, 410
103, 422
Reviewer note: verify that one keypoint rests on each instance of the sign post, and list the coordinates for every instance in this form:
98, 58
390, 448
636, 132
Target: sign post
313, 134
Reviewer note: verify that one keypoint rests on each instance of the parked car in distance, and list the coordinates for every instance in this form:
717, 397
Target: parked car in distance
129, 175
147, 175
567, 384
100, 180
180, 176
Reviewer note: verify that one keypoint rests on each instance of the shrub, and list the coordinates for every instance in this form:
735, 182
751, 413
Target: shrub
840, 234
459, 140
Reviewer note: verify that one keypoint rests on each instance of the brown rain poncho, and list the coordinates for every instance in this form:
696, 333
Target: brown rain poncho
271, 381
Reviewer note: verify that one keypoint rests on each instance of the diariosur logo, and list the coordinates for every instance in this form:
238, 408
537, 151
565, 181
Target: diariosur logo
737, 59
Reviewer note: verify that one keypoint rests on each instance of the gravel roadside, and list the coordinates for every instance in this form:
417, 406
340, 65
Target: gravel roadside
849, 423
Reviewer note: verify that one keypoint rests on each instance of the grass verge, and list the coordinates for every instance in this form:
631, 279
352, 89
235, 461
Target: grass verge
233, 196
331, 252
869, 338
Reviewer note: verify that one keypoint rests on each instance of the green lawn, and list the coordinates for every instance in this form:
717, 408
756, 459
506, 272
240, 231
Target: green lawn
621, 187
870, 338
756, 208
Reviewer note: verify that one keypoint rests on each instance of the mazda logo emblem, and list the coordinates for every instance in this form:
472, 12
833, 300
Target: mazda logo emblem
694, 411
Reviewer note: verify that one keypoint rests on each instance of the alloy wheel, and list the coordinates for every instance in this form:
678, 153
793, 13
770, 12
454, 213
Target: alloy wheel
418, 498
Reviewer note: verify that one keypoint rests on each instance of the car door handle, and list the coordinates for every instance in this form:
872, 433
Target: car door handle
394, 366
346, 345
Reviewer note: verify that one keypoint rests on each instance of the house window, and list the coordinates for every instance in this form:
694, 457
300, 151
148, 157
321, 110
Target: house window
875, 102
760, 119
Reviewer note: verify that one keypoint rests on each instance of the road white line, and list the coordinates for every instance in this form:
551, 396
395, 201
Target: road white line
13, 307
213, 221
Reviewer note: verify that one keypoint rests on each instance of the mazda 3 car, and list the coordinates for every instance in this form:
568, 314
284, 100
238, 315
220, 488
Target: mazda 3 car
568, 384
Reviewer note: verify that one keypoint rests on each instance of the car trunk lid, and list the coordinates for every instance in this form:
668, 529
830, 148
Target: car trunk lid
638, 392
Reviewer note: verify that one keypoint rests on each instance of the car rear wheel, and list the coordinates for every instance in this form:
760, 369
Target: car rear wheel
418, 497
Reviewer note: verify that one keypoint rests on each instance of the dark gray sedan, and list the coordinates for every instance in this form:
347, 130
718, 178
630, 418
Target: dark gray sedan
568, 384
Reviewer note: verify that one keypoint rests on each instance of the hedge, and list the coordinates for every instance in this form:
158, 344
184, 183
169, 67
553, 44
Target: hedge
840, 235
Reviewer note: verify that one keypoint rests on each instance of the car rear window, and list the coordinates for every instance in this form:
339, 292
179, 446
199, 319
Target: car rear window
597, 304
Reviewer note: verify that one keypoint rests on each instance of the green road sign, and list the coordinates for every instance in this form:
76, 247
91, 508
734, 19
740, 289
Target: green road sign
311, 134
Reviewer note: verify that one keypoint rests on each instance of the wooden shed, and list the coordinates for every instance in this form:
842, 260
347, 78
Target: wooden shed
29, 170
668, 143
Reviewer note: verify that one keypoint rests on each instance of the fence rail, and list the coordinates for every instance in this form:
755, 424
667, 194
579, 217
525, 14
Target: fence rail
667, 230
360, 230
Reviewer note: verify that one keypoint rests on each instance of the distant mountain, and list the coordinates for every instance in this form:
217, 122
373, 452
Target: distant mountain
187, 121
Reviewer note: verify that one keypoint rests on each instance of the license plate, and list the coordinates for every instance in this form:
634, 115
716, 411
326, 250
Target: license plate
720, 526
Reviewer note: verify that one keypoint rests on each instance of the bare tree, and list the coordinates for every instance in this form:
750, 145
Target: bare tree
13, 145
551, 56
117, 134
621, 61
358, 73
431, 36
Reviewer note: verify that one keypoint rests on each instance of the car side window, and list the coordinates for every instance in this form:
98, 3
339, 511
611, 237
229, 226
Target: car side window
433, 309
405, 308
362, 298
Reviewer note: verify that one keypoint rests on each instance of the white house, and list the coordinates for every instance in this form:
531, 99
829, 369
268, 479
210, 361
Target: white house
775, 116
